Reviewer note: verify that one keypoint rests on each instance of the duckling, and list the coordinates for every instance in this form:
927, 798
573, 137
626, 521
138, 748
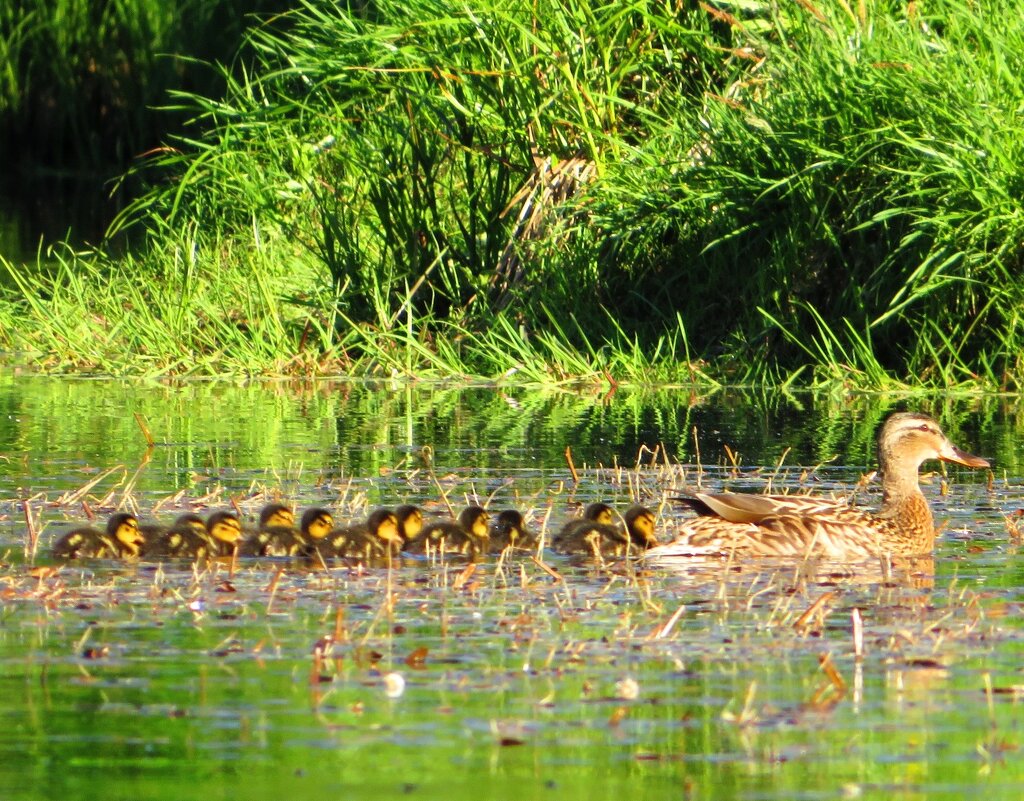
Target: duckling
219, 537
468, 535
593, 536
273, 516
376, 539
508, 530
154, 533
121, 539
410, 521
571, 537
316, 523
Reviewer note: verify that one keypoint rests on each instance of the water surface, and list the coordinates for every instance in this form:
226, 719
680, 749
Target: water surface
144, 681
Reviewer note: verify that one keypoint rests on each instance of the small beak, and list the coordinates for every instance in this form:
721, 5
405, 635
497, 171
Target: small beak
951, 453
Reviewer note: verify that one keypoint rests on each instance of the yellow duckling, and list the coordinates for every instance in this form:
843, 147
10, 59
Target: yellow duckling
154, 533
273, 517
468, 535
783, 525
278, 540
375, 540
410, 521
218, 537
121, 539
508, 530
596, 534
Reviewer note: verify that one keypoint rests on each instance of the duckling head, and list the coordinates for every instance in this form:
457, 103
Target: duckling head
189, 520
224, 526
383, 523
475, 520
511, 523
640, 522
275, 515
317, 523
410, 521
600, 513
124, 527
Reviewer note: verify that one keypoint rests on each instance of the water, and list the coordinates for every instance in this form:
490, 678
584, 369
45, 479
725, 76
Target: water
139, 681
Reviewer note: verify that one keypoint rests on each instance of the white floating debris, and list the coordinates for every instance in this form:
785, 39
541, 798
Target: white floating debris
627, 689
394, 685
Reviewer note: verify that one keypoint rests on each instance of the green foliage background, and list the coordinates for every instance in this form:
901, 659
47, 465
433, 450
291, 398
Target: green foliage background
645, 191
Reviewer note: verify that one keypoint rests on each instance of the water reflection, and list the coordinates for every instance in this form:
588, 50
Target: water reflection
146, 677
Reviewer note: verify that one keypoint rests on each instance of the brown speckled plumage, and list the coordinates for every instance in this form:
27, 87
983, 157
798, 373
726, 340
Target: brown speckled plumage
774, 525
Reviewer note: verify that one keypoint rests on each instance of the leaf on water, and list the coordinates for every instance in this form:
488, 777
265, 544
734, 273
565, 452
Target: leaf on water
617, 715
511, 741
463, 577
1010, 689
417, 658
627, 689
225, 586
394, 684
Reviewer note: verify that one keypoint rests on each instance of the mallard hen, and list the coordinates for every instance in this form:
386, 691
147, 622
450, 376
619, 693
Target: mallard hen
783, 525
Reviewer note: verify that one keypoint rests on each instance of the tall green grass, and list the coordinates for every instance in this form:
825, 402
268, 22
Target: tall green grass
742, 192
851, 198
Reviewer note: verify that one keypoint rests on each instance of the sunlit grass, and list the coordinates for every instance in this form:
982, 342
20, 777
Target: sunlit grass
577, 192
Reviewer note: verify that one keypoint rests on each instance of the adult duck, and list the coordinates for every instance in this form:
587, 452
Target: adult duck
803, 526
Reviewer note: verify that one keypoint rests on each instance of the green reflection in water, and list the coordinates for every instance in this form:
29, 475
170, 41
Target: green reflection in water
203, 689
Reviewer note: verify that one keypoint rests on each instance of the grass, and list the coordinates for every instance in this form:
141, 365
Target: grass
619, 192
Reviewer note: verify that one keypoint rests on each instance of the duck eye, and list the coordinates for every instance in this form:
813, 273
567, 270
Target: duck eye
924, 427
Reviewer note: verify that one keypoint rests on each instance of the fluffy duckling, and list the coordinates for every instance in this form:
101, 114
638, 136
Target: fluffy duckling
154, 533
571, 537
121, 539
274, 517
508, 530
410, 521
376, 539
283, 540
593, 535
467, 536
218, 537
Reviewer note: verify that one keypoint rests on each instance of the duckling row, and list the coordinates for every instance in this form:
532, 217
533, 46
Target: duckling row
384, 533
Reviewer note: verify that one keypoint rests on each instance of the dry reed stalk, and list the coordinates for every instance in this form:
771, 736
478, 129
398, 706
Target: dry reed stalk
572, 467
145, 430
858, 634
665, 628
70, 498
32, 541
272, 587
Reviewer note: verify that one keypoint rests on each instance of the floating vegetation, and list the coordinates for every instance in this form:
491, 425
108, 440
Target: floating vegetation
530, 674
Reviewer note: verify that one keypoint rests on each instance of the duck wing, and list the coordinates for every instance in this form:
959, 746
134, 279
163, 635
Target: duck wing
739, 507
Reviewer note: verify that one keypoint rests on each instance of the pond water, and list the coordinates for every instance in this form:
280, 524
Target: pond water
498, 681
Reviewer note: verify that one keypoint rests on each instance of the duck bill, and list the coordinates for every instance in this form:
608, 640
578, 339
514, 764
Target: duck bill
951, 453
